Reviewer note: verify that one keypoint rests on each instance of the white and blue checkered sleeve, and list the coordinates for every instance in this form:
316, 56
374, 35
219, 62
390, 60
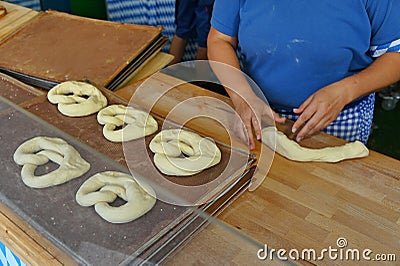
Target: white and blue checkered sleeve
378, 50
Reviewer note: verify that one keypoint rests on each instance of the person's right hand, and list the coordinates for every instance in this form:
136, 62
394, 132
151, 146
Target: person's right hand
250, 111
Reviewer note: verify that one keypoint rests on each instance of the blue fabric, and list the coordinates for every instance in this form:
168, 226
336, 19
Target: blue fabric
379, 50
145, 12
352, 123
150, 12
8, 258
192, 20
32, 4
293, 48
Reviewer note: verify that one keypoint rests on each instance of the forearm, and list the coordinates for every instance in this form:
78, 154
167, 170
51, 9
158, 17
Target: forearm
225, 64
383, 72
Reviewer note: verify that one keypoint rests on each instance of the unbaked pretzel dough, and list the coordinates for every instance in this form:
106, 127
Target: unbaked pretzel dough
137, 123
183, 153
293, 151
103, 188
75, 98
38, 151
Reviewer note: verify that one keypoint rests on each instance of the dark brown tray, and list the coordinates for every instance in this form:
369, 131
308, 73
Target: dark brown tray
59, 46
164, 222
53, 211
16, 91
137, 155
79, 231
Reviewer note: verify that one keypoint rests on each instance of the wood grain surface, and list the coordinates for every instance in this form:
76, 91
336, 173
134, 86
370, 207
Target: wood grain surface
298, 206
303, 205
16, 17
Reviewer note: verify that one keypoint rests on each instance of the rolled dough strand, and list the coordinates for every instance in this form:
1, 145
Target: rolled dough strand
183, 153
77, 104
38, 151
170, 148
205, 155
293, 151
166, 167
103, 188
137, 123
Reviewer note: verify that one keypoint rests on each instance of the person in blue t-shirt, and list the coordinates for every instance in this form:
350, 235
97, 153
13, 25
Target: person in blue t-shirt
318, 62
192, 20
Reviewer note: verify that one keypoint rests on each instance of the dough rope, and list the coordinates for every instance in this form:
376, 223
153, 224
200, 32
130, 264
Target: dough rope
136, 123
293, 151
103, 188
183, 153
40, 150
85, 100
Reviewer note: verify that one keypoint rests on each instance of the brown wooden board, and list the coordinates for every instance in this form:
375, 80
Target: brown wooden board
59, 46
16, 17
16, 91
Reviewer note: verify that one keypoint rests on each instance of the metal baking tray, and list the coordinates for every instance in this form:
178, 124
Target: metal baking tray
56, 46
76, 230
54, 213
16, 91
89, 131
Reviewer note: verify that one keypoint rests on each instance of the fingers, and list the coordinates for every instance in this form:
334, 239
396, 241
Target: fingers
278, 118
251, 142
244, 132
306, 131
251, 120
317, 122
304, 112
240, 131
257, 127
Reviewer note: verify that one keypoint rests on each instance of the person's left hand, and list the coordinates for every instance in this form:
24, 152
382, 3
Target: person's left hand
319, 110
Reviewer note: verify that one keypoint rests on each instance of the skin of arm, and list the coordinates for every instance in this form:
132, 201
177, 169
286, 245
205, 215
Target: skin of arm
322, 107
222, 49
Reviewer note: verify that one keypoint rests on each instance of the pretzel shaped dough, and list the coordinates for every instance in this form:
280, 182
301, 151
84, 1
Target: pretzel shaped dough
293, 151
183, 153
38, 151
135, 123
103, 188
75, 98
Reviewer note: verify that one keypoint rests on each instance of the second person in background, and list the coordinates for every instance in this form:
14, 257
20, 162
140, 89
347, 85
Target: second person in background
192, 20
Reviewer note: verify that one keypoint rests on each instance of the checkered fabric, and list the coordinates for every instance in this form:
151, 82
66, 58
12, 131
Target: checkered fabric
32, 4
149, 12
8, 258
352, 124
377, 51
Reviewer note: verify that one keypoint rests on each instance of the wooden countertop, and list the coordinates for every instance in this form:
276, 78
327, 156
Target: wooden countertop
298, 206
302, 205
16, 17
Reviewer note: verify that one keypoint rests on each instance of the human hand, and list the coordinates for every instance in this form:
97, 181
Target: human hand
319, 110
251, 118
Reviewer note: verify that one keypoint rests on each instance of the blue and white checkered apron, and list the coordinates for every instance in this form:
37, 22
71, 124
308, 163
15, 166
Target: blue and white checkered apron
353, 123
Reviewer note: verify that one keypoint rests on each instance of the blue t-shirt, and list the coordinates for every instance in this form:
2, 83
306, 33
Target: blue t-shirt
293, 48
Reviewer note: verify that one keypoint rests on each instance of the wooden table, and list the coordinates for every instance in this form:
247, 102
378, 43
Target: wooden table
298, 206
15, 18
